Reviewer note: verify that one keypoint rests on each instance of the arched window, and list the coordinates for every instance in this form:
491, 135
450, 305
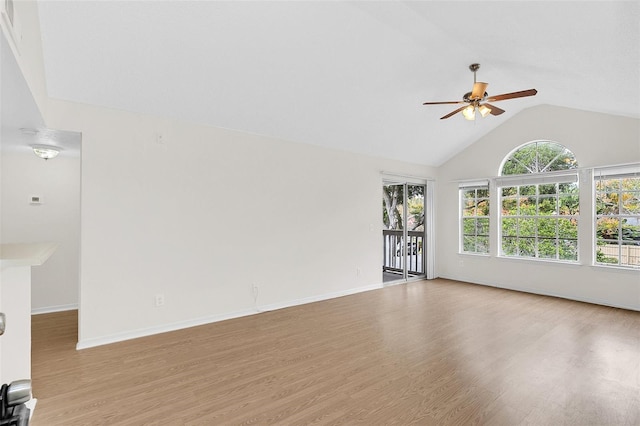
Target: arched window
538, 157
539, 202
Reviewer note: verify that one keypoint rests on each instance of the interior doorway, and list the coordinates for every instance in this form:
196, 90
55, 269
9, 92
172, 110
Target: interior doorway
404, 243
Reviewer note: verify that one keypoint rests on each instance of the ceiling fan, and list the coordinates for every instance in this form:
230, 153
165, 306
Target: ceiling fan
477, 99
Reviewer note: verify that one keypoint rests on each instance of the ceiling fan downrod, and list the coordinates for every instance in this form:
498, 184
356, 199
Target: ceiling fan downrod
474, 68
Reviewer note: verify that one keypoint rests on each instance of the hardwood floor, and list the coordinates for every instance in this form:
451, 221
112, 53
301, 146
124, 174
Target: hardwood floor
436, 352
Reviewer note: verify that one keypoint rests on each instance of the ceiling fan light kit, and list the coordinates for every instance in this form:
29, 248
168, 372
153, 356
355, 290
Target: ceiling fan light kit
484, 110
469, 112
477, 99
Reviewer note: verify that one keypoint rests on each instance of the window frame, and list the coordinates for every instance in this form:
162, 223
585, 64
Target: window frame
538, 176
613, 173
462, 189
535, 218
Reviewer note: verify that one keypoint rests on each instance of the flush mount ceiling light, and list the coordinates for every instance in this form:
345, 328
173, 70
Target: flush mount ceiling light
43, 138
46, 152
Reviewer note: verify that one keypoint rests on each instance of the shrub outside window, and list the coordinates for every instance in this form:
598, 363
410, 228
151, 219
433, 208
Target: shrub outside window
474, 203
540, 221
617, 206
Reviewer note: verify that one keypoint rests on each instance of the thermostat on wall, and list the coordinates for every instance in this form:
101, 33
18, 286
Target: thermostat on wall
36, 199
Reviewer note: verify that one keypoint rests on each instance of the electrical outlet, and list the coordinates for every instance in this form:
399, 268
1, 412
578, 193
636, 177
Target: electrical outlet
358, 272
159, 300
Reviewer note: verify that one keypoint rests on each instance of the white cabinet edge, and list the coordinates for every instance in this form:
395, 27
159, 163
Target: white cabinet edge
27, 254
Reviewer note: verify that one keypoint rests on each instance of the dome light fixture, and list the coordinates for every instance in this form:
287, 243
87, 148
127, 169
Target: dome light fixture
45, 151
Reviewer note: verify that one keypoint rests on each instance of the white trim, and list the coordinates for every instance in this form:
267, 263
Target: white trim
551, 294
13, 29
613, 266
56, 308
31, 405
319, 298
478, 183
143, 332
399, 178
627, 169
544, 259
429, 210
461, 217
430, 230
562, 176
624, 171
402, 281
617, 172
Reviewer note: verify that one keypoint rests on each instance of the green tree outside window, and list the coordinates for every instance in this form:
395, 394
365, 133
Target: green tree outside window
540, 220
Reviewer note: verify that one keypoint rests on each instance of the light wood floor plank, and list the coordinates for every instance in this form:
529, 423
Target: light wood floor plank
434, 352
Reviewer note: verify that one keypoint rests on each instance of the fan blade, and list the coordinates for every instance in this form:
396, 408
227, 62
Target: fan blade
443, 103
521, 94
478, 90
453, 112
494, 109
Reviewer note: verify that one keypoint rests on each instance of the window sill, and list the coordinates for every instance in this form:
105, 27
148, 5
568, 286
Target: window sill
536, 259
635, 269
469, 253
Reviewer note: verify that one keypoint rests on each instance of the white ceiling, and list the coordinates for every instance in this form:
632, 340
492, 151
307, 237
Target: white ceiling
345, 75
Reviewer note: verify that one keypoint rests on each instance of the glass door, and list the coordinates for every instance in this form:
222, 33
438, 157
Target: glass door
403, 215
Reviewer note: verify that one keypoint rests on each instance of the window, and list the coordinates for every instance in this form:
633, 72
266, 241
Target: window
617, 207
539, 203
540, 221
474, 221
539, 157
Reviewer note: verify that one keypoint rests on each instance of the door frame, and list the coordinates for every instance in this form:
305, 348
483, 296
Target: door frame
429, 228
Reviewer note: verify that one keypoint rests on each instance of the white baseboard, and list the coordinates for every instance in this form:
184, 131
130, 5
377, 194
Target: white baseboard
31, 405
546, 293
319, 298
134, 334
58, 308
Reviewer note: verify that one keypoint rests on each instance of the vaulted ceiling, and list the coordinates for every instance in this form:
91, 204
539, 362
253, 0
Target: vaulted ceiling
344, 75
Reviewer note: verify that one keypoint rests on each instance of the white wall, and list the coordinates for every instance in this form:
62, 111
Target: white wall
207, 213
596, 140
15, 343
55, 284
